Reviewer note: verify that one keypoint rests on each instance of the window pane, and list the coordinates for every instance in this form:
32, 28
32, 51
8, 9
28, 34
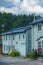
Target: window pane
22, 43
5, 37
13, 37
19, 36
9, 37
4, 47
39, 44
23, 36
39, 27
13, 47
9, 48
16, 42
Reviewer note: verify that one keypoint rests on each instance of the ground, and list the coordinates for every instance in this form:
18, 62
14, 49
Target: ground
18, 61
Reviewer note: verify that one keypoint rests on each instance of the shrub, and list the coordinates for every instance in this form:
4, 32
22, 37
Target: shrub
41, 55
33, 54
14, 53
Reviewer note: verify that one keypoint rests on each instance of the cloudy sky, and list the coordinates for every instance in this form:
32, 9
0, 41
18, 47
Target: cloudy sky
22, 6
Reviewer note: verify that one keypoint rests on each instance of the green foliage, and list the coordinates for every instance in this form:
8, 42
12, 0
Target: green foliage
14, 21
33, 54
14, 53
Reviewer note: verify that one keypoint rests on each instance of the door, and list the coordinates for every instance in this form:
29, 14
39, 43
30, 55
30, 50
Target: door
22, 50
39, 48
39, 44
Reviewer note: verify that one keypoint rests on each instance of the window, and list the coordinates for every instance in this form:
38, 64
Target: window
39, 27
6, 37
4, 47
13, 37
9, 37
13, 47
42, 42
19, 36
23, 36
9, 48
16, 42
39, 44
22, 43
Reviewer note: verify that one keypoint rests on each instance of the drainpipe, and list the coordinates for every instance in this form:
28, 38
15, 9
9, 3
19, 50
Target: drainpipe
33, 30
33, 37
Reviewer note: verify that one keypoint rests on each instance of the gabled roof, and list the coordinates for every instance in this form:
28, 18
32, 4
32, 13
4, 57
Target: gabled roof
17, 30
37, 21
39, 38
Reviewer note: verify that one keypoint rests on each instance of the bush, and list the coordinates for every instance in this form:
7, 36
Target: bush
14, 53
33, 54
41, 55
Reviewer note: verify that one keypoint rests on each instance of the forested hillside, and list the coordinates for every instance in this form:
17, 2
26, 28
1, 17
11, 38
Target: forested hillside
14, 21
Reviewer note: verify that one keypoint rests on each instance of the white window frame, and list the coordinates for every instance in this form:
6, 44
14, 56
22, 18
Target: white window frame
39, 44
13, 37
39, 27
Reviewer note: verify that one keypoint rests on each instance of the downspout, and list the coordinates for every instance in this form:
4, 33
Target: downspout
33, 37
11, 49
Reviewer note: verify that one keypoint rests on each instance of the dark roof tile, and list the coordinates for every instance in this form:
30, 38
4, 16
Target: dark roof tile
17, 30
37, 21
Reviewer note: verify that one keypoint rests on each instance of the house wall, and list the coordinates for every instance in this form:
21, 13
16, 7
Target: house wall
6, 44
0, 39
0, 48
0, 44
36, 34
28, 41
16, 43
19, 43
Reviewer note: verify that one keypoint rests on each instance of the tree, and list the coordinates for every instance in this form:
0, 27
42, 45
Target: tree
11, 21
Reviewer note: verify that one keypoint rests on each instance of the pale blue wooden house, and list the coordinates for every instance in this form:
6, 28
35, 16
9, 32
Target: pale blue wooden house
19, 39
24, 39
37, 34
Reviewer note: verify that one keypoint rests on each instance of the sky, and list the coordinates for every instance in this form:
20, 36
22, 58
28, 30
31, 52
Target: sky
22, 6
